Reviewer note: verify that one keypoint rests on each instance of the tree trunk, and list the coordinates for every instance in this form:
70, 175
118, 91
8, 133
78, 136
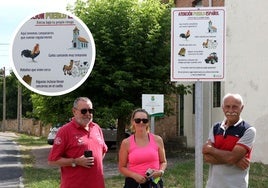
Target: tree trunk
120, 131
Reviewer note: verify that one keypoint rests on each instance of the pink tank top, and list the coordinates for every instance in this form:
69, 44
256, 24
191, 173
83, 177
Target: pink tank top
142, 158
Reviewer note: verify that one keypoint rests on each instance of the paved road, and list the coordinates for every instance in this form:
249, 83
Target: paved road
10, 165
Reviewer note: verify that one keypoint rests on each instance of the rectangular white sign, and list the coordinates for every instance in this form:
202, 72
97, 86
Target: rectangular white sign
153, 104
198, 44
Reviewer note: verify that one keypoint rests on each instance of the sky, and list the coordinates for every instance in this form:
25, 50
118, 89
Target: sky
12, 15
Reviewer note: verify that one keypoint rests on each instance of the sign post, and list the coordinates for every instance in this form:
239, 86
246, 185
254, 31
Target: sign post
154, 105
198, 54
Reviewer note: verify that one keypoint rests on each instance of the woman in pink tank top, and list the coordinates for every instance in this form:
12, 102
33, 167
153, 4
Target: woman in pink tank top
142, 158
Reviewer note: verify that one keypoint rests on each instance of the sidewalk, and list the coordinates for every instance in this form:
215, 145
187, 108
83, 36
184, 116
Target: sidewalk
9, 135
10, 162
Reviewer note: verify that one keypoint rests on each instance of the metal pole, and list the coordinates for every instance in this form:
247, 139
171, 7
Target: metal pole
210, 103
152, 124
210, 3
198, 134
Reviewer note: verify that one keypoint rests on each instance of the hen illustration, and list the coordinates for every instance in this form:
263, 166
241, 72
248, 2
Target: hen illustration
185, 35
31, 53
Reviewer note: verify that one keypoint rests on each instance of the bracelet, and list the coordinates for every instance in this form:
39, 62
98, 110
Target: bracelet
162, 172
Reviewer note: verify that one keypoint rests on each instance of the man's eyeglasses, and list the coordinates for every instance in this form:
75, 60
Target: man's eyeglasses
138, 120
89, 110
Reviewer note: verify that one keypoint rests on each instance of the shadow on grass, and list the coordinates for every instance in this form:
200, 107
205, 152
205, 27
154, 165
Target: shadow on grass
39, 177
27, 140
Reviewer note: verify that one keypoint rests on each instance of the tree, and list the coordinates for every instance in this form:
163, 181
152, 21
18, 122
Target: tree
12, 96
132, 41
52, 109
133, 48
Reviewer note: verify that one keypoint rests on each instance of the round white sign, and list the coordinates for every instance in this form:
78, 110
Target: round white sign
53, 53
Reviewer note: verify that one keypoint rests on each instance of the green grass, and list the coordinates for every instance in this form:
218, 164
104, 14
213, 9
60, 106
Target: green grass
39, 178
181, 175
258, 175
26, 140
36, 177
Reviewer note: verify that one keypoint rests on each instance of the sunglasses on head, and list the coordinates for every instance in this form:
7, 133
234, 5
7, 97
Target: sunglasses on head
138, 120
89, 110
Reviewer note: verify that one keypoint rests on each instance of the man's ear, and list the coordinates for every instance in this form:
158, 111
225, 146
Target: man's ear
73, 110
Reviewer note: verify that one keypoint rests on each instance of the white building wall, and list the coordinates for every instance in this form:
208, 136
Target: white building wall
210, 114
246, 73
189, 125
247, 65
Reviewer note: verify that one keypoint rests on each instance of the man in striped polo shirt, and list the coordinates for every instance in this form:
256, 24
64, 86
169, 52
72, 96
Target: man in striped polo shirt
229, 146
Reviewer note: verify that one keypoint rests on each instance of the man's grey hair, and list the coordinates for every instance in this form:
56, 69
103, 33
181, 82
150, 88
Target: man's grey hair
81, 99
235, 95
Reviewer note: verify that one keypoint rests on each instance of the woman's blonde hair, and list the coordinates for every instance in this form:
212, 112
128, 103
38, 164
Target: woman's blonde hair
132, 128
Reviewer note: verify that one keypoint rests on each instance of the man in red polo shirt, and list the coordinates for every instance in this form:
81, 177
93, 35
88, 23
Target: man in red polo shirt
72, 140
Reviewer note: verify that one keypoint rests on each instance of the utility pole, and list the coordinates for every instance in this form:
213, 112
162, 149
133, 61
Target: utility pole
19, 110
3, 75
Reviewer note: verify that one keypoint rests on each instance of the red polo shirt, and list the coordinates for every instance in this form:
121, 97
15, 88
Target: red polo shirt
71, 141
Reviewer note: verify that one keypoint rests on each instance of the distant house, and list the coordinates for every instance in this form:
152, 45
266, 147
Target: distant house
78, 42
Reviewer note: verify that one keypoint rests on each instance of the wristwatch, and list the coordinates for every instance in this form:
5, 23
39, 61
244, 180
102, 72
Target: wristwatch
73, 163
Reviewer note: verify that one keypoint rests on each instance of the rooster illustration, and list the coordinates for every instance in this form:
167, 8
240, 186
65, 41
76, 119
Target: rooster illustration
31, 54
185, 35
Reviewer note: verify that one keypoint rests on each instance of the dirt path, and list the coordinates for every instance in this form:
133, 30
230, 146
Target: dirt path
109, 164
41, 154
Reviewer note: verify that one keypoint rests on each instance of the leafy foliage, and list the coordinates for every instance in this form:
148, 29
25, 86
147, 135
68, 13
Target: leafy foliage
11, 90
132, 49
52, 109
132, 41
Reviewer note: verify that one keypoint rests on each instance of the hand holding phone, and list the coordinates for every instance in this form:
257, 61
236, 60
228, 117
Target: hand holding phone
88, 153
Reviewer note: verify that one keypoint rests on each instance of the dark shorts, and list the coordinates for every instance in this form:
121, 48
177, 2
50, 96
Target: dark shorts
131, 183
